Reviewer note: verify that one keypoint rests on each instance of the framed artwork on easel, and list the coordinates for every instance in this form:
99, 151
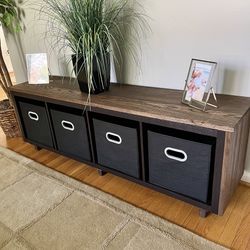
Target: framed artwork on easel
198, 87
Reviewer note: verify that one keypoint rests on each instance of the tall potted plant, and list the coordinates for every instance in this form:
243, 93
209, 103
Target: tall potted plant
11, 16
93, 30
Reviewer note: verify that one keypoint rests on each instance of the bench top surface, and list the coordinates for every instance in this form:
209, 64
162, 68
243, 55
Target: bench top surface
163, 104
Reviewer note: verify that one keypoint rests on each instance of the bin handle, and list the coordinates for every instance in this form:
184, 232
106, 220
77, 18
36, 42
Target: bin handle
68, 125
33, 116
113, 138
168, 150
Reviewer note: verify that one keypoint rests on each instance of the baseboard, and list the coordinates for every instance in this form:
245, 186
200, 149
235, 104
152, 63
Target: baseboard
246, 176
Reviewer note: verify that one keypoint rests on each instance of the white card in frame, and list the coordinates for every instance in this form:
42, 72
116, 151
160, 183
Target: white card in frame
37, 68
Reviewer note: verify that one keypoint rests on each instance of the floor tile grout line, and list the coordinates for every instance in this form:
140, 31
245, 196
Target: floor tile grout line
24, 160
6, 242
86, 194
161, 232
72, 186
134, 235
24, 242
17, 181
119, 228
52, 178
20, 240
36, 220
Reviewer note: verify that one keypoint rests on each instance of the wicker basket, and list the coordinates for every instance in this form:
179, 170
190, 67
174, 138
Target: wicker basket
8, 121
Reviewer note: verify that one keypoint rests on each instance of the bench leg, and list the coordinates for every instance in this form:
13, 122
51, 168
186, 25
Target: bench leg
204, 213
101, 172
38, 148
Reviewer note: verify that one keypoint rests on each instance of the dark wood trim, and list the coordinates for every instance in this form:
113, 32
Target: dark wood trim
142, 149
186, 127
90, 137
157, 188
48, 100
41, 146
217, 170
233, 161
51, 127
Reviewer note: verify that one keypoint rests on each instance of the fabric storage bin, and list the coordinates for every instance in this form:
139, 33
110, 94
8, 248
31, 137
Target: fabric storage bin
180, 165
35, 121
70, 131
117, 146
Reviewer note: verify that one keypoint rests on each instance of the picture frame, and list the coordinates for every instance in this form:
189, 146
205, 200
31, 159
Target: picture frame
198, 84
37, 68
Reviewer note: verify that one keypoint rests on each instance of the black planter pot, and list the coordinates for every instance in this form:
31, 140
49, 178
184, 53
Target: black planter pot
82, 79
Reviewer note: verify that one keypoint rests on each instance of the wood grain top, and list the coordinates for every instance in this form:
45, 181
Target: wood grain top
164, 104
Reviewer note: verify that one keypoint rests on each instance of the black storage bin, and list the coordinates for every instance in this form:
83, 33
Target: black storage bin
117, 145
70, 131
179, 164
35, 122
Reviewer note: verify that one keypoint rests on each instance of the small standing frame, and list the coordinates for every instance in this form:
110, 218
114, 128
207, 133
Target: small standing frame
198, 87
37, 68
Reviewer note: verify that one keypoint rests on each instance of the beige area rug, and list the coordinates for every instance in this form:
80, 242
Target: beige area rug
43, 209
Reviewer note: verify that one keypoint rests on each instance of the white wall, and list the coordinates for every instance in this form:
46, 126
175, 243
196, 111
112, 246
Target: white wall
5, 51
33, 41
181, 30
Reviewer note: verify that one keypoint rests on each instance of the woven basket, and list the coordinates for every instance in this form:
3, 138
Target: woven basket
8, 121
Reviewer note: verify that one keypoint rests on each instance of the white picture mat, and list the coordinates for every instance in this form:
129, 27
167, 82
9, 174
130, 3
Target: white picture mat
37, 68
